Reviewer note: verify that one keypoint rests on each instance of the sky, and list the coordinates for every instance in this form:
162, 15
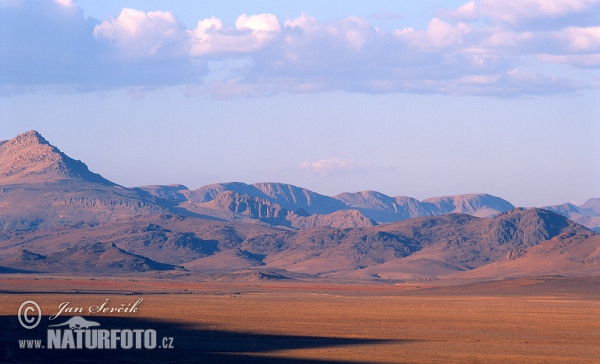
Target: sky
419, 99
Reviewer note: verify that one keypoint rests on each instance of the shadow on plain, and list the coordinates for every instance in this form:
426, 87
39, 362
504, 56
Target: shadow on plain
190, 344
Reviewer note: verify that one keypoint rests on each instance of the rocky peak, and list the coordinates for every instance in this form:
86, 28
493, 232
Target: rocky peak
29, 158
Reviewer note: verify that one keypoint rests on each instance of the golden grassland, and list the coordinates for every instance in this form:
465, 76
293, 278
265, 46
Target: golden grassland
553, 320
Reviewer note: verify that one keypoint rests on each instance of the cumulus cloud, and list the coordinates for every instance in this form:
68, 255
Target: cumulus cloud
439, 34
251, 33
581, 39
484, 47
529, 31
137, 34
52, 45
332, 164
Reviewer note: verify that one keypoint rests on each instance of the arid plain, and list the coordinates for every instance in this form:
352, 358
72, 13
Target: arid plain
529, 320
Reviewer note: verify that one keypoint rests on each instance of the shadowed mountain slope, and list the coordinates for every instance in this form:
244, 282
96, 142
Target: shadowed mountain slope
456, 242
95, 258
417, 248
570, 254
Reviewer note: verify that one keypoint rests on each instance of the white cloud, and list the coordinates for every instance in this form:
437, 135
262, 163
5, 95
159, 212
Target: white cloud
304, 21
439, 34
258, 23
331, 165
581, 39
515, 11
466, 12
353, 33
137, 34
252, 33
471, 50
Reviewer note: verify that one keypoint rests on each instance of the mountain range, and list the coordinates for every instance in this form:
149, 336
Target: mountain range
58, 216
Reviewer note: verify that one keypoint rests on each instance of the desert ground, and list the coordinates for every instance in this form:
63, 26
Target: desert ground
529, 320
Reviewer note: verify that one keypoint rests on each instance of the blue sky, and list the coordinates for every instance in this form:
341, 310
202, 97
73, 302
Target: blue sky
411, 98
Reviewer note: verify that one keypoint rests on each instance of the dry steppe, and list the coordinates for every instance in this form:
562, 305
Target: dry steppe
550, 319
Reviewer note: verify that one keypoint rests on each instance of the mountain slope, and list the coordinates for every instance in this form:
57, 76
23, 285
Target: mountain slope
245, 207
294, 198
428, 247
481, 205
454, 242
170, 192
287, 196
85, 259
593, 204
40, 187
29, 158
577, 255
587, 214
383, 208
58, 216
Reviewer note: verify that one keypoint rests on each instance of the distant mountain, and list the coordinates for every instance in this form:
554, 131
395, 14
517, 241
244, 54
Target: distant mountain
576, 254
294, 198
587, 214
422, 247
252, 207
265, 210
481, 205
273, 203
40, 187
58, 216
170, 192
29, 158
593, 204
273, 198
426, 247
287, 196
384, 208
